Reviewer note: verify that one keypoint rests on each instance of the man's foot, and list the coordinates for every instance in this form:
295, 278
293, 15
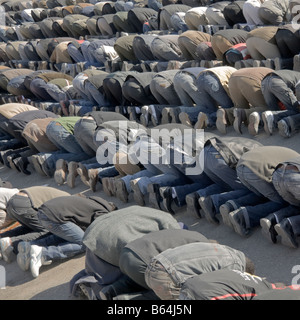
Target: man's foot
23, 256
238, 221
137, 194
83, 174
268, 120
202, 121
37, 166
284, 129
93, 179
253, 125
193, 206
239, 118
154, 196
285, 231
209, 209
7, 249
72, 173
225, 210
61, 171
37, 260
166, 194
185, 119
221, 122
121, 191
267, 227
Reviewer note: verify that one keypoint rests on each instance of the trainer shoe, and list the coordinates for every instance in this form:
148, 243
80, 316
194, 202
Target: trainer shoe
202, 121
137, 194
166, 194
154, 196
93, 178
221, 122
238, 221
239, 118
83, 173
72, 173
23, 256
225, 210
284, 129
121, 191
267, 227
37, 260
185, 119
253, 125
6, 249
209, 209
285, 231
193, 206
268, 119
61, 171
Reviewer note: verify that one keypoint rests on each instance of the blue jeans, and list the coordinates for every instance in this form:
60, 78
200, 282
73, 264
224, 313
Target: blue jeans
64, 242
62, 138
286, 183
218, 170
51, 159
258, 185
212, 92
257, 212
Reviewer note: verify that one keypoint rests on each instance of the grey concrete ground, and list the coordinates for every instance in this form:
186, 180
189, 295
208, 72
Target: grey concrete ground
273, 261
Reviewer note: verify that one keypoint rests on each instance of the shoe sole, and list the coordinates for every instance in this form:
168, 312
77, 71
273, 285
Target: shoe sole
265, 228
252, 126
237, 123
221, 122
237, 228
121, 192
282, 130
23, 251
37, 167
137, 194
202, 121
207, 215
193, 206
224, 211
105, 187
184, 119
285, 238
266, 127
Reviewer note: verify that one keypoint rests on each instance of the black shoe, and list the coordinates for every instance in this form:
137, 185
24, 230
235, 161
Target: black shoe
209, 209
166, 194
21, 164
285, 231
267, 224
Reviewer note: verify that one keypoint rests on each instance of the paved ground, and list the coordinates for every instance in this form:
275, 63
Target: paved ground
273, 261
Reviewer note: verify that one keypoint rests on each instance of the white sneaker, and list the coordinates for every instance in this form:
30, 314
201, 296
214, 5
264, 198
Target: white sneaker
36, 260
268, 120
6, 249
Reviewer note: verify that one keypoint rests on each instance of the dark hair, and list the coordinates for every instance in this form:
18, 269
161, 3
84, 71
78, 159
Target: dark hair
249, 267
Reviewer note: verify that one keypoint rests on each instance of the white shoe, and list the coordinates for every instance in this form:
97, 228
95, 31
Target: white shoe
36, 260
6, 249
268, 120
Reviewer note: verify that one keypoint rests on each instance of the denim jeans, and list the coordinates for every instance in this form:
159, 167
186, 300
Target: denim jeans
65, 241
167, 271
186, 89
212, 92
257, 212
218, 170
274, 89
51, 159
62, 139
286, 183
258, 185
